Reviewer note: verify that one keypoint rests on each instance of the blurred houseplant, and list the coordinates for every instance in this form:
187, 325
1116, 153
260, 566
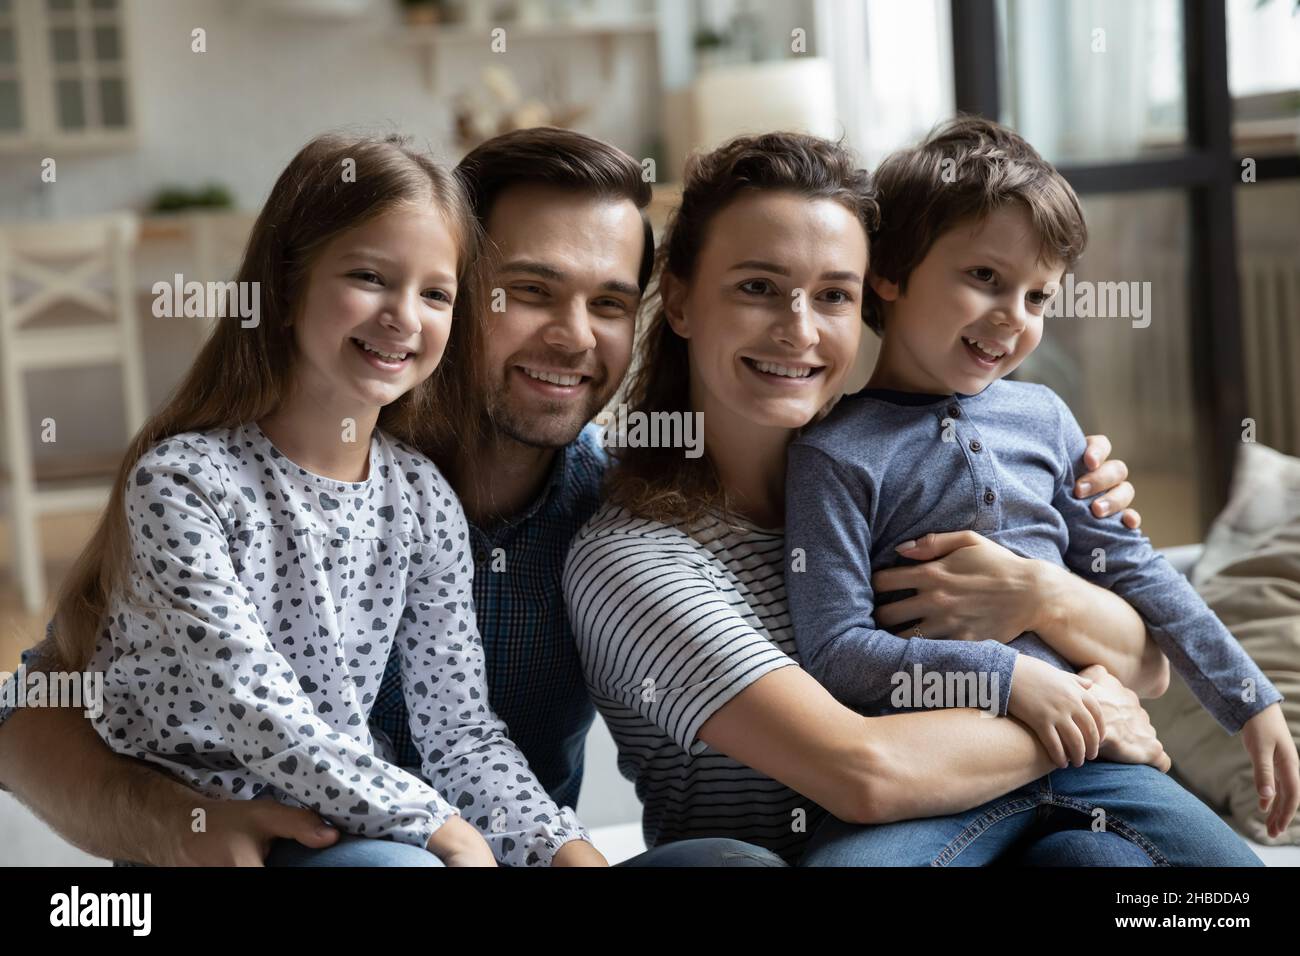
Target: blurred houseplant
178, 198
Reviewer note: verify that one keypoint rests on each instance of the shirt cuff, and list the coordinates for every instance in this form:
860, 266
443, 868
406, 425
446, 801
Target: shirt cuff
539, 844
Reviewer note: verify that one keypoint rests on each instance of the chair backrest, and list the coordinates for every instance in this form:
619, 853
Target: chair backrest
62, 260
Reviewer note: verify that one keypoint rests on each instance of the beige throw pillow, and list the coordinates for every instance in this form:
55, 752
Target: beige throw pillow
1250, 577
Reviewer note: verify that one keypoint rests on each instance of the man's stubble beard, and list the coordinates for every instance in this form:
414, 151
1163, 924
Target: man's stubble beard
554, 426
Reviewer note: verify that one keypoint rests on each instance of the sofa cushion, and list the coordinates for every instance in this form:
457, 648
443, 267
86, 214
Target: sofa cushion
1250, 576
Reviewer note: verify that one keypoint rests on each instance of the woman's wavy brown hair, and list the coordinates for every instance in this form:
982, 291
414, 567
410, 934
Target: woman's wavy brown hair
661, 483
242, 374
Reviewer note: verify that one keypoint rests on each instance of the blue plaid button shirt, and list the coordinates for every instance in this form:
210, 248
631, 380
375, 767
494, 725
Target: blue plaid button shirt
535, 681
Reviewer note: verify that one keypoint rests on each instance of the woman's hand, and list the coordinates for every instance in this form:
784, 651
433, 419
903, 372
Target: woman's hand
1129, 736
458, 843
1106, 476
968, 589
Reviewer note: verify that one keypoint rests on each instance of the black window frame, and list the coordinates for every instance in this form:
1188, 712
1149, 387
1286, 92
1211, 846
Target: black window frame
1207, 170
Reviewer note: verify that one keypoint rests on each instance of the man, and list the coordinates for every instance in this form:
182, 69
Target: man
526, 369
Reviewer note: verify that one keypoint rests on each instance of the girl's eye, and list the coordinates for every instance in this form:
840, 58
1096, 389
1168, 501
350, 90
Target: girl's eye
365, 275
756, 286
439, 295
982, 273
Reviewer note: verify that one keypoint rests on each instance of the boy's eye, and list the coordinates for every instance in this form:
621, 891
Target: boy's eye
1038, 298
366, 275
983, 273
756, 286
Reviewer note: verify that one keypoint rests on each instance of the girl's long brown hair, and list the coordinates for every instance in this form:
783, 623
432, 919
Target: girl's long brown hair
242, 374
659, 483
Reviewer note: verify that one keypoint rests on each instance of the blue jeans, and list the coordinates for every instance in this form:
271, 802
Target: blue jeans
359, 851
1149, 820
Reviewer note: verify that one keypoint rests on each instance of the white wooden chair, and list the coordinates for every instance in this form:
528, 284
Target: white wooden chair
86, 262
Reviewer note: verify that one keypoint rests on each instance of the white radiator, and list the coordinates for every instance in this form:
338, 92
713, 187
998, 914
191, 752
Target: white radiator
1270, 299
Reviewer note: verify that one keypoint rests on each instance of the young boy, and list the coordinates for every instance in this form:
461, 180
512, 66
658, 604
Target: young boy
976, 231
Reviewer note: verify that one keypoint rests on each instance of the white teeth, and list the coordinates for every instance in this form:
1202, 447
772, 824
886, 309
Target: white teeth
990, 351
390, 356
773, 369
555, 378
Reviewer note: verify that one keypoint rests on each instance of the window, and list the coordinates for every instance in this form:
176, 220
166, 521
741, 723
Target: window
64, 74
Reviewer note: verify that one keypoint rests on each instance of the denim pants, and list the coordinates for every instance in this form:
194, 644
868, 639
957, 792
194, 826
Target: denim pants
1148, 819
359, 851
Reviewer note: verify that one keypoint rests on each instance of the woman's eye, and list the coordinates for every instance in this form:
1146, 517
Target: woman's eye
841, 297
983, 274
756, 286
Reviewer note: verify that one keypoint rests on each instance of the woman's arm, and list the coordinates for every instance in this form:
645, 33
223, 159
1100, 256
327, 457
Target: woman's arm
881, 769
970, 588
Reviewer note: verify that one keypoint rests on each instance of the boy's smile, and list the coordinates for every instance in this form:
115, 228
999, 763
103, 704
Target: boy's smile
972, 310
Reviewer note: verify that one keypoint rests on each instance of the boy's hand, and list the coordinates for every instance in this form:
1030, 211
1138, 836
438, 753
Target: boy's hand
1059, 708
1277, 768
458, 843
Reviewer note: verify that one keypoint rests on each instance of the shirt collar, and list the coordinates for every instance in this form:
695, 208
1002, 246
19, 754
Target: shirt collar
550, 494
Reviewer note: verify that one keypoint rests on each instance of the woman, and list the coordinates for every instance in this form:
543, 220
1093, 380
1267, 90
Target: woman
676, 592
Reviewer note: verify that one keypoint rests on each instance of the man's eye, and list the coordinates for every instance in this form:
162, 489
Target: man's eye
530, 289
610, 305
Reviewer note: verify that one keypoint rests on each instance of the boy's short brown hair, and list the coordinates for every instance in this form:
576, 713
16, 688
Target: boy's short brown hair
966, 168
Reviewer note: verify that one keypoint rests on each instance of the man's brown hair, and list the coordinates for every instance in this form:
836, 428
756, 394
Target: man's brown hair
543, 155
963, 170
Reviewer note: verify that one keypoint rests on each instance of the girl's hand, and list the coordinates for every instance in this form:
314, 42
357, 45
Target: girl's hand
1106, 476
458, 843
1058, 707
578, 853
1277, 768
968, 589
1129, 736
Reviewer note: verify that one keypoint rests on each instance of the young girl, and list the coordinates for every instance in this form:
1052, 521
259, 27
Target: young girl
272, 535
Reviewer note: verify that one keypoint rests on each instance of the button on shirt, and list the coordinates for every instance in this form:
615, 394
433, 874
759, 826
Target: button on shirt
535, 681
